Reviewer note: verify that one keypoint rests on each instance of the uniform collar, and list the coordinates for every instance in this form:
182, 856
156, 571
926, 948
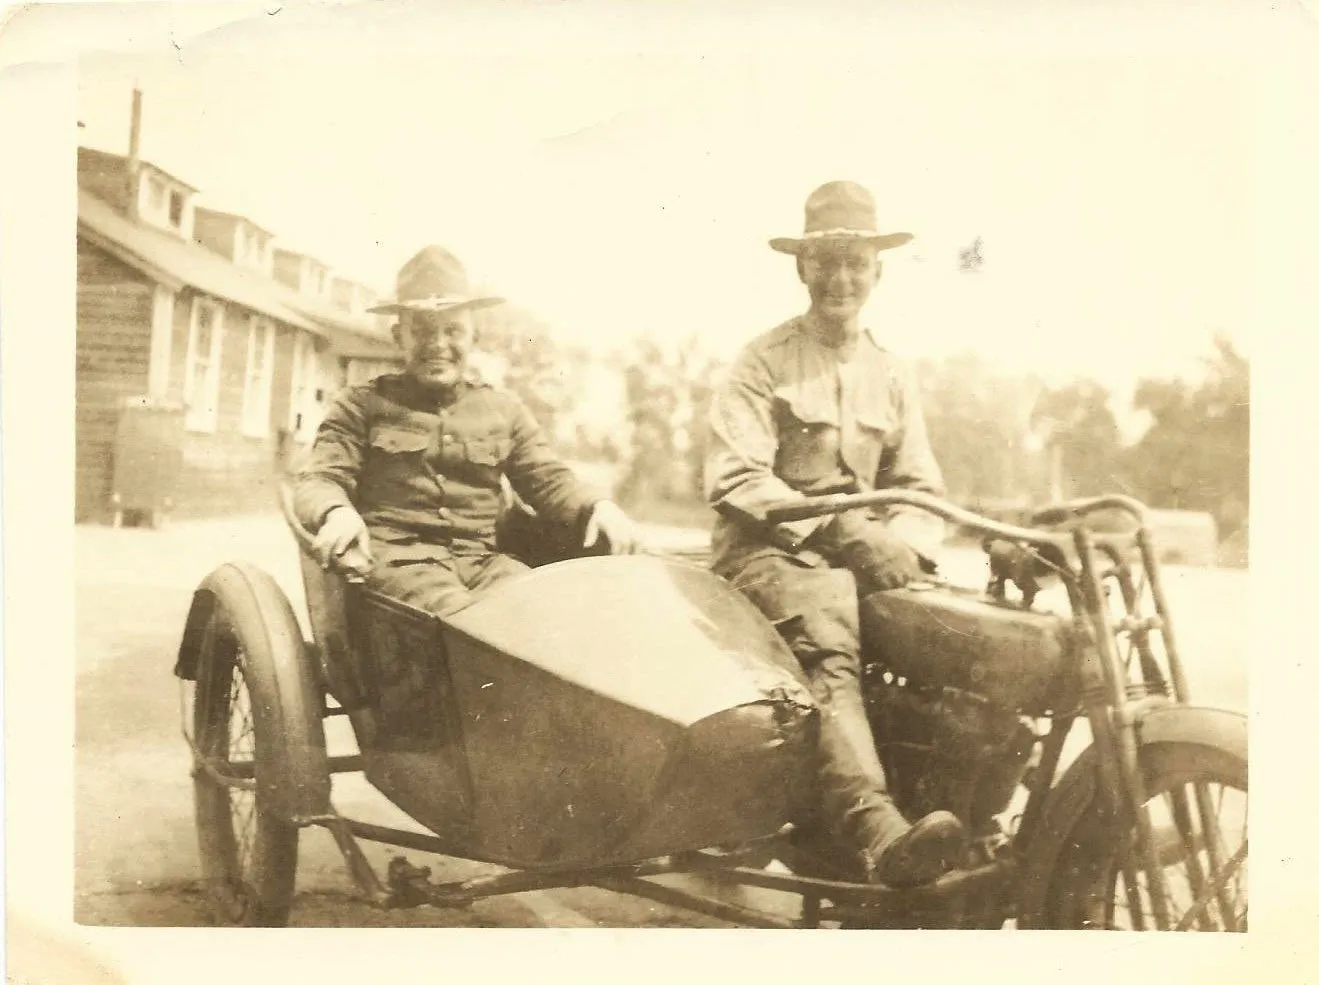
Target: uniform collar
866, 333
415, 393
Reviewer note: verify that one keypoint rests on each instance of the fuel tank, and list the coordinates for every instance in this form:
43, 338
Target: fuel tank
589, 712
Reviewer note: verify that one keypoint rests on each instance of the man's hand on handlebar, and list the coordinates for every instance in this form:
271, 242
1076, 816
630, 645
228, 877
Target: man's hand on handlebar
343, 543
880, 559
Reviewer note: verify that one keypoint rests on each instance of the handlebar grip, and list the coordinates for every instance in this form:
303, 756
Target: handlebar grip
1075, 508
1052, 514
791, 511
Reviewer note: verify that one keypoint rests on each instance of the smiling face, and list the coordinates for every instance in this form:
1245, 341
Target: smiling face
436, 344
839, 275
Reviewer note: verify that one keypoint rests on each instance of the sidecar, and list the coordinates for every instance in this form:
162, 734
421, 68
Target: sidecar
592, 713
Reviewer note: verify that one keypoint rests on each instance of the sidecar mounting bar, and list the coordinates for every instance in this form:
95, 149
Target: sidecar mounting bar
825, 505
411, 886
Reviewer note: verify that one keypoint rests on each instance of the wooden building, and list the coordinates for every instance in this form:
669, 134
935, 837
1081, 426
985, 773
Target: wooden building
186, 305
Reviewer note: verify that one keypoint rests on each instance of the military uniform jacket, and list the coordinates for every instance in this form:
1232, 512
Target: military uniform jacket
796, 417
421, 470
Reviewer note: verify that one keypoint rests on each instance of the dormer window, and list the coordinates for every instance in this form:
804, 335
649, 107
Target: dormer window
165, 203
155, 195
251, 248
315, 279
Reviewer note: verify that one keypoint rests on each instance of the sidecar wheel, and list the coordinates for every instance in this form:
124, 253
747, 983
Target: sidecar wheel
1204, 878
249, 853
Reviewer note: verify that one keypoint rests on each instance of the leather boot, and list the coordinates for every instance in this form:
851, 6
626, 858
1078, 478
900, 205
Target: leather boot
854, 794
902, 855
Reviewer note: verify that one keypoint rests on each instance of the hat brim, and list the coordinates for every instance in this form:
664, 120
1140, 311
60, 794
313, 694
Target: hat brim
435, 304
882, 241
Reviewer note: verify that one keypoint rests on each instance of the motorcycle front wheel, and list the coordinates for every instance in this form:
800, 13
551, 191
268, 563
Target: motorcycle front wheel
1197, 804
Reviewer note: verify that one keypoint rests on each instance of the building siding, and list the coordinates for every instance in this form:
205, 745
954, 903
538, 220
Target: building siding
113, 349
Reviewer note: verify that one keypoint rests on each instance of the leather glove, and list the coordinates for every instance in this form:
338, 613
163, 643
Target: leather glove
879, 558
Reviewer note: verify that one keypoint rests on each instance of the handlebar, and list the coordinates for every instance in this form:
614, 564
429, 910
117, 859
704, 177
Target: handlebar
841, 503
1074, 509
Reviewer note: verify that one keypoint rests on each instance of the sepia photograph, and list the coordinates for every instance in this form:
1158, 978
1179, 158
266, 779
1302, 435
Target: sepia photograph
660, 491
617, 473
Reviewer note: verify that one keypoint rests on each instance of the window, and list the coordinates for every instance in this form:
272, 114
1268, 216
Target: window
248, 251
201, 380
307, 395
258, 376
176, 209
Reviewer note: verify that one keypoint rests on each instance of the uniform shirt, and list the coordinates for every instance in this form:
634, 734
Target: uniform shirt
415, 467
796, 417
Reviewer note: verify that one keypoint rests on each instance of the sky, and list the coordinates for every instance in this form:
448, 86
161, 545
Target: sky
622, 177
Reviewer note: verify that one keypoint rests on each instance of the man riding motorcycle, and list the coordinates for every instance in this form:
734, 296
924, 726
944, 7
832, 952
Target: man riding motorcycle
813, 407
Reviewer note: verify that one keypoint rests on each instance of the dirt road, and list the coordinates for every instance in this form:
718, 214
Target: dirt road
135, 852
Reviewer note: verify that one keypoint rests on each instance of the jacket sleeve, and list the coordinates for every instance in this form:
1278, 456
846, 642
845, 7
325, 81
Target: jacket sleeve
739, 471
910, 464
328, 479
540, 477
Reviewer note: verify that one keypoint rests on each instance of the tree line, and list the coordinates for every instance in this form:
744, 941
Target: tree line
1003, 441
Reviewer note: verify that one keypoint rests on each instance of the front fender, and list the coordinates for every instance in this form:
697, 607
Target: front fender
194, 631
1071, 796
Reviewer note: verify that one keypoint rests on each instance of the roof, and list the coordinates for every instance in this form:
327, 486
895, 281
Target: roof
301, 256
174, 178
92, 152
176, 263
217, 213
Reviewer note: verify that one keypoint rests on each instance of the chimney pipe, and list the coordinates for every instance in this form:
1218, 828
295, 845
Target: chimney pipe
134, 154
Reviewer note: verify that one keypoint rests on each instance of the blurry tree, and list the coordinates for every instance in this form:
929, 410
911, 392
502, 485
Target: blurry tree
976, 418
1077, 427
668, 396
519, 351
1196, 453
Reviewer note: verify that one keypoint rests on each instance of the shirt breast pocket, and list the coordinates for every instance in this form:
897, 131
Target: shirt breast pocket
808, 438
875, 427
490, 452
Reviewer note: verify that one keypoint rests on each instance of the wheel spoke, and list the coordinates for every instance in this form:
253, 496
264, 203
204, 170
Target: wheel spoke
1201, 878
1194, 875
1203, 902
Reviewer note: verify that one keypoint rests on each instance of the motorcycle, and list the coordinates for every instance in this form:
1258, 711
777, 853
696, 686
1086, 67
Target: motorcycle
607, 720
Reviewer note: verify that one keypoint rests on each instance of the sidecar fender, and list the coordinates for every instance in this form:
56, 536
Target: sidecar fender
1071, 796
292, 767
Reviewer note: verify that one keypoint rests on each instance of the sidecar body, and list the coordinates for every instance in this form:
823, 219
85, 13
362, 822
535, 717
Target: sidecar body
593, 711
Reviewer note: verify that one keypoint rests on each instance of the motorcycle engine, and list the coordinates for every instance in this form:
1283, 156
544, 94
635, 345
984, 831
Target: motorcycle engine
944, 748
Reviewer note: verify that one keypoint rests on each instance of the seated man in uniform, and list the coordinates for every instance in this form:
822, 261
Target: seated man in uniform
813, 407
403, 484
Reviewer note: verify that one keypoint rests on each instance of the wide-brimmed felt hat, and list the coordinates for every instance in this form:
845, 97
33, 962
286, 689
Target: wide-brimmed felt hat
840, 210
434, 280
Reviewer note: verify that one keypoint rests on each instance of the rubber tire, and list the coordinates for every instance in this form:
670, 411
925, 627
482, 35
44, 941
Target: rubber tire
1090, 845
242, 609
